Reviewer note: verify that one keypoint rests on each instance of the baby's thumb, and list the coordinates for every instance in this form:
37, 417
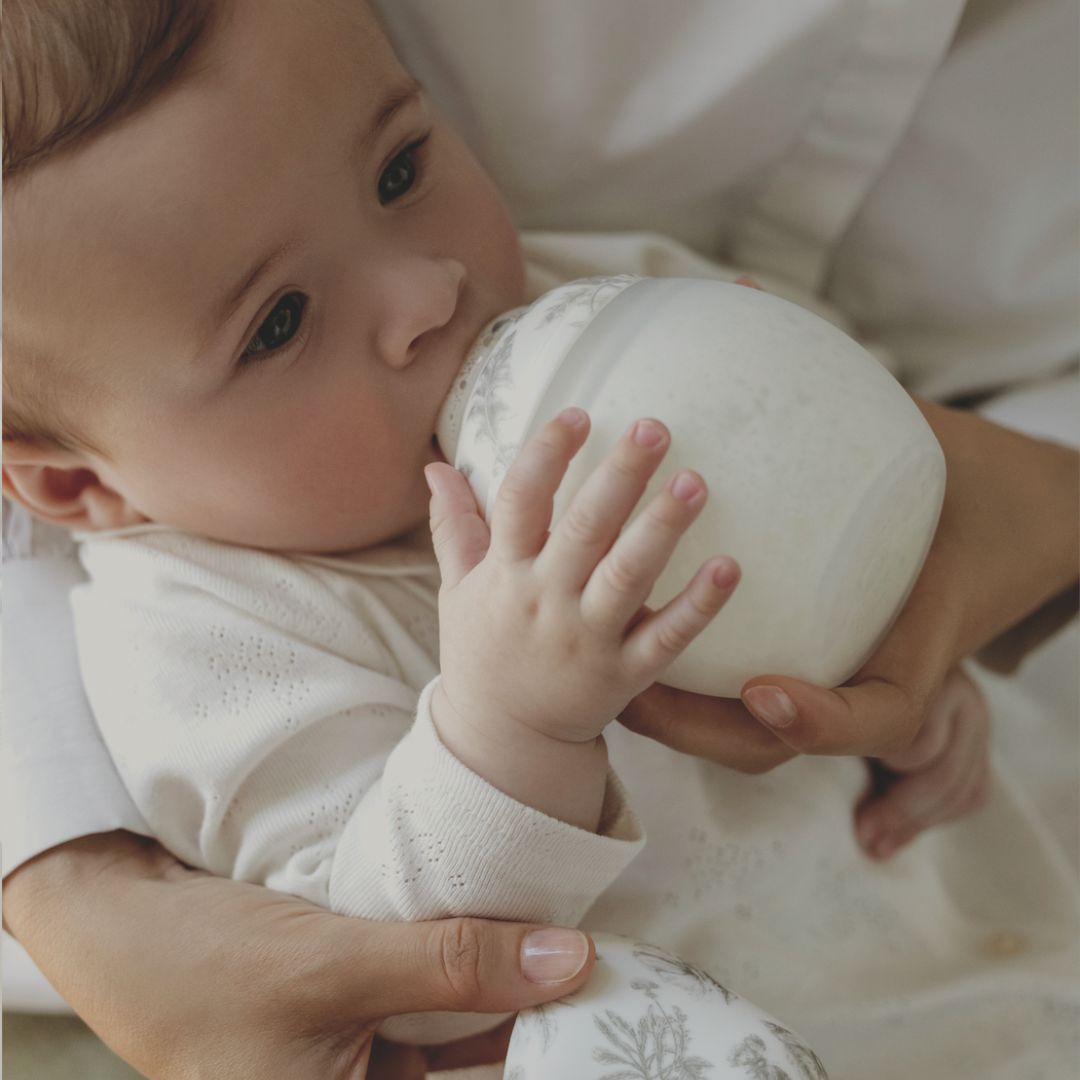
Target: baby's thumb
458, 532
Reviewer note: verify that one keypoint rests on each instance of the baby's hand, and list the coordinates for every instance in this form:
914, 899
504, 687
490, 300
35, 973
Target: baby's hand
546, 634
943, 775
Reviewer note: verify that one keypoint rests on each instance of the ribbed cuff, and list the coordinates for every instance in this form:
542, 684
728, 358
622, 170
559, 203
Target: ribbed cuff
442, 841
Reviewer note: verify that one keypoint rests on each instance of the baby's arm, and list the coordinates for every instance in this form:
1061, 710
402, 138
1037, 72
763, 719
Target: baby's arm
544, 638
269, 733
262, 742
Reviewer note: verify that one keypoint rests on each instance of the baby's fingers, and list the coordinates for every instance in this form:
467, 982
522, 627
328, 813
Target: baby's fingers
662, 635
601, 507
458, 532
621, 582
522, 511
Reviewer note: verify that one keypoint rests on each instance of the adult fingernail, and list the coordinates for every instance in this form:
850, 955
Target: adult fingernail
553, 955
771, 706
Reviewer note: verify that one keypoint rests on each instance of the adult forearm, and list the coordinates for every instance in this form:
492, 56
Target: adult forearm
1014, 501
188, 975
64, 907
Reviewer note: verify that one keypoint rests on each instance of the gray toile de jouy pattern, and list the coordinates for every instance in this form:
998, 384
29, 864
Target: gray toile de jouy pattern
648, 1035
510, 376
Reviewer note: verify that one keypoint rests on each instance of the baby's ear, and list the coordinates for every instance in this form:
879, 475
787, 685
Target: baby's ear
62, 487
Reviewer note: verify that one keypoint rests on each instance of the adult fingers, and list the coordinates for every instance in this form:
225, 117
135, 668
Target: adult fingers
955, 784
871, 718
918, 801
394, 1061
487, 1048
937, 727
601, 506
716, 729
458, 532
522, 511
462, 965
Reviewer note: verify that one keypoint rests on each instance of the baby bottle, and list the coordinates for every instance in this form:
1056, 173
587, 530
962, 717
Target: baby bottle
825, 482
647, 1013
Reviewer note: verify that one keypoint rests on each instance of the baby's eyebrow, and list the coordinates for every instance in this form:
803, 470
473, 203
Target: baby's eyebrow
391, 104
262, 267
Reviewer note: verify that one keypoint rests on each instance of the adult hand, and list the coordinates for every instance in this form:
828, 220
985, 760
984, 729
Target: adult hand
718, 729
943, 775
184, 974
1006, 545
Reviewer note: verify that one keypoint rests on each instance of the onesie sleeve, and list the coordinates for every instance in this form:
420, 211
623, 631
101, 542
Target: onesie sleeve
441, 840
229, 688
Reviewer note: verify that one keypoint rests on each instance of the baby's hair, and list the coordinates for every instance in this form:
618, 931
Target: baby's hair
70, 68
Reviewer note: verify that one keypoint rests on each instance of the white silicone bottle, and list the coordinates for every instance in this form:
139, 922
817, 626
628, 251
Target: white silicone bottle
825, 482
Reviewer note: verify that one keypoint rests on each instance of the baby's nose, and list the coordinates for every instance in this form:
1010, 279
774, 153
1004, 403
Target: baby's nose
422, 298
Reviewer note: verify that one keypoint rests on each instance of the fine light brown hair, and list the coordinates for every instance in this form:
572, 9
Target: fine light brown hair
69, 69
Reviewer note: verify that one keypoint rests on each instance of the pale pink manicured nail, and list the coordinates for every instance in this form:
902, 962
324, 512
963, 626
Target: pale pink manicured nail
771, 706
684, 486
553, 955
648, 433
572, 417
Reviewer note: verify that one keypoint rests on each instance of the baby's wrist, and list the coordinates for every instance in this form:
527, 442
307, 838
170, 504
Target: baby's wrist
563, 779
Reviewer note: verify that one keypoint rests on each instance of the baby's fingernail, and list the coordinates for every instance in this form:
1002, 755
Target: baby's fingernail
430, 478
572, 417
685, 486
725, 573
553, 955
648, 433
771, 706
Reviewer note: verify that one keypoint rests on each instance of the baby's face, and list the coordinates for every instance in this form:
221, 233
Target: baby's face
275, 269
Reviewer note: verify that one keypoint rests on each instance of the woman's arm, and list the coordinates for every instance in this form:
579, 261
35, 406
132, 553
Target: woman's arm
184, 974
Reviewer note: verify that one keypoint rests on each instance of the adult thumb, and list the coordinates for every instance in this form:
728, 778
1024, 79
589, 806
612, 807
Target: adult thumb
470, 965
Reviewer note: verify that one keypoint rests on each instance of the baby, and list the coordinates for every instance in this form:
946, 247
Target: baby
238, 291
254, 367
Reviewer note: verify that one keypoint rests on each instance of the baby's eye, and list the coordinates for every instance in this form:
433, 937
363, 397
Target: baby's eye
400, 175
278, 328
